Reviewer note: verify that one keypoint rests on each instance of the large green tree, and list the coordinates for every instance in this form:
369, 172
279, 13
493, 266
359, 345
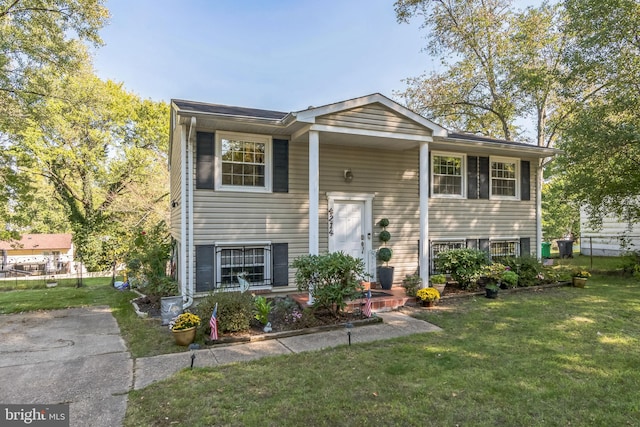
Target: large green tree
602, 139
102, 152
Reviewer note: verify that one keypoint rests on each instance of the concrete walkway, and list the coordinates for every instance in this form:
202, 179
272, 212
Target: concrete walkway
77, 356
150, 369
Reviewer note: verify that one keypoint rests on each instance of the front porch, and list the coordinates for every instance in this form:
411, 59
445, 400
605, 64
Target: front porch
381, 300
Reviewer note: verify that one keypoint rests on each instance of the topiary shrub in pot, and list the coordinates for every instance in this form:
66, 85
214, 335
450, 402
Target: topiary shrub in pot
385, 273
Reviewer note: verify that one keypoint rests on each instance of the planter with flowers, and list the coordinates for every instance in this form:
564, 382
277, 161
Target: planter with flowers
428, 296
580, 278
439, 281
184, 328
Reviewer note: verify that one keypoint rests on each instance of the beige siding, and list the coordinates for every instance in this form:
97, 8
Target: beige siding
374, 117
175, 181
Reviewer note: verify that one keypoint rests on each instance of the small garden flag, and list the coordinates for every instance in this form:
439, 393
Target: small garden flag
214, 324
367, 305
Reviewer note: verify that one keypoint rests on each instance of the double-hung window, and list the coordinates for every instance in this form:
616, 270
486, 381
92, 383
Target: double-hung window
253, 262
504, 178
243, 162
447, 175
499, 249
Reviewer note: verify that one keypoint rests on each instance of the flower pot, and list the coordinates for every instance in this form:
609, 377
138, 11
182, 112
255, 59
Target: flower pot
579, 282
184, 336
439, 287
428, 303
385, 277
491, 293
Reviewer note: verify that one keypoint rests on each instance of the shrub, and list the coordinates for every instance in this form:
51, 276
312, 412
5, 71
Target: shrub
428, 294
289, 315
160, 287
411, 283
333, 279
509, 279
261, 308
528, 269
463, 265
147, 260
235, 310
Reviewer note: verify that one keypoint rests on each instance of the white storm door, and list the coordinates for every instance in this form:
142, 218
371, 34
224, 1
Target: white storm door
348, 230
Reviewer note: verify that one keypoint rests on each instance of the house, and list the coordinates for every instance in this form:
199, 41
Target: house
37, 254
614, 237
253, 189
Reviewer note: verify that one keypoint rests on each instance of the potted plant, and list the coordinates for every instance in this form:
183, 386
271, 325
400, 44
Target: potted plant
439, 281
385, 273
428, 296
491, 290
411, 283
183, 328
580, 278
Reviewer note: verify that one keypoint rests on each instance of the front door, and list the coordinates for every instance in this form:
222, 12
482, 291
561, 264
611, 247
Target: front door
350, 226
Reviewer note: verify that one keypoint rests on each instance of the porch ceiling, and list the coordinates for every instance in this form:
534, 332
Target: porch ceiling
362, 141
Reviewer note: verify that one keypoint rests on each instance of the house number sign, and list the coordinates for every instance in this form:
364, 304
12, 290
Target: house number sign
331, 222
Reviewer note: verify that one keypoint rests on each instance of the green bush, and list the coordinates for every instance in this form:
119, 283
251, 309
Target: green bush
509, 279
289, 315
464, 265
160, 287
235, 311
333, 279
261, 309
411, 283
528, 269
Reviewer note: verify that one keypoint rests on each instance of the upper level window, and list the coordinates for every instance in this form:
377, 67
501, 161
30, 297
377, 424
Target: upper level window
243, 162
447, 178
504, 178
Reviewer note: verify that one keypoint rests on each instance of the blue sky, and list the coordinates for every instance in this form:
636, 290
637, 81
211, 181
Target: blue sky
281, 55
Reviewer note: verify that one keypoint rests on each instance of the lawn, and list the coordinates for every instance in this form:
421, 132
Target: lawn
560, 356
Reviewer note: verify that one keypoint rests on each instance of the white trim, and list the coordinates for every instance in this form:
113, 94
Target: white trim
243, 243
463, 175
518, 178
191, 249
367, 223
267, 140
424, 256
182, 264
539, 178
371, 133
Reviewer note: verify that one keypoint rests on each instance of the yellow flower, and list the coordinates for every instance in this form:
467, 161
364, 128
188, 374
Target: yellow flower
428, 294
184, 321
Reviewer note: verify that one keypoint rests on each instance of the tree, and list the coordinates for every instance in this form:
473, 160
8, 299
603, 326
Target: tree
102, 150
602, 139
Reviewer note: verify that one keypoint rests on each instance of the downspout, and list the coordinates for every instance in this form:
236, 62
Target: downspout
539, 178
183, 212
190, 248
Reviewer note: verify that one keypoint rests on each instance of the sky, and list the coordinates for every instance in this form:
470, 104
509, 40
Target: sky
281, 55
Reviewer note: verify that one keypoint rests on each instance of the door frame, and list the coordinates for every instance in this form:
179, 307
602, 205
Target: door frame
367, 224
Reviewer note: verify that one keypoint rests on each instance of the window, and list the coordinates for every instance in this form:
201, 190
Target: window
503, 248
447, 178
443, 246
253, 261
243, 163
504, 178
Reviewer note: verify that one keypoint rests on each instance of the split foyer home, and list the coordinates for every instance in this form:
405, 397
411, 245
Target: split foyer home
253, 189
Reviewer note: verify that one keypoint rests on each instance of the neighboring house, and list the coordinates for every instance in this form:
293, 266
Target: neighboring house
253, 189
613, 238
37, 254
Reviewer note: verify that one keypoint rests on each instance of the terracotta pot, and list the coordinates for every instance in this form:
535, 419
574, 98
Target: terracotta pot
184, 336
428, 303
579, 282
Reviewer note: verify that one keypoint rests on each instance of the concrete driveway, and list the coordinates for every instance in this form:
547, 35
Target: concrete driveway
73, 356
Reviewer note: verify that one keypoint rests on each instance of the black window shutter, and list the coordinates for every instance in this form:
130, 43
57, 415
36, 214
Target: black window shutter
525, 180
280, 166
280, 264
525, 246
205, 159
205, 268
484, 245
472, 177
483, 174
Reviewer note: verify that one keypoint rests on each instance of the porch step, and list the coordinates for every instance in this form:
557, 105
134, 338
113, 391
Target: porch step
394, 298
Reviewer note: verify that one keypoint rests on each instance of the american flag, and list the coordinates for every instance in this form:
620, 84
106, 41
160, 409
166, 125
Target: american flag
214, 324
367, 306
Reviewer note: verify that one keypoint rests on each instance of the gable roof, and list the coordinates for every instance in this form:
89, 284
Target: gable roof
227, 110
39, 242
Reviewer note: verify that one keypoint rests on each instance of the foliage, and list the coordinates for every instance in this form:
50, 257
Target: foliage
262, 307
148, 257
527, 268
235, 310
560, 211
411, 283
463, 264
493, 272
428, 294
332, 278
184, 321
584, 274
384, 254
438, 279
509, 279
290, 315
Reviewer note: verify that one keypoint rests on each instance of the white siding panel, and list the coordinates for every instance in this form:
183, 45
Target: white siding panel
175, 181
373, 117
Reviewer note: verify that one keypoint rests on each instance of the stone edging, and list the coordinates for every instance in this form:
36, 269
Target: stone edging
518, 289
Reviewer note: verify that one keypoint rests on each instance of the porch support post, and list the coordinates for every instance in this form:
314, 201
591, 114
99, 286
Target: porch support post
539, 179
314, 196
424, 213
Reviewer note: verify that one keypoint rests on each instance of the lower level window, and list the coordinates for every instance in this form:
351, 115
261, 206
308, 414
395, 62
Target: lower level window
248, 262
443, 246
503, 248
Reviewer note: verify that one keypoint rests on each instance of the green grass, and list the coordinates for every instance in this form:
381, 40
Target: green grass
144, 337
597, 264
561, 356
